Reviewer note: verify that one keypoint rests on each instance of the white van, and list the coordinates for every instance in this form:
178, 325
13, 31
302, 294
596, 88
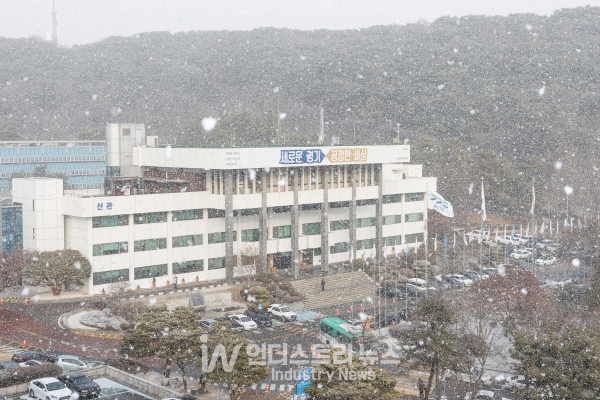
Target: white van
421, 284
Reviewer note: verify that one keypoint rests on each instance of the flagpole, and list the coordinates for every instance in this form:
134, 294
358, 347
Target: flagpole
483, 216
534, 227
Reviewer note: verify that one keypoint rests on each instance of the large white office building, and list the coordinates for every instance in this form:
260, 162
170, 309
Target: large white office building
208, 213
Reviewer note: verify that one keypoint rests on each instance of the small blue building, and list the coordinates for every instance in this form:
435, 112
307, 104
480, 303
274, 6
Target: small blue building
12, 228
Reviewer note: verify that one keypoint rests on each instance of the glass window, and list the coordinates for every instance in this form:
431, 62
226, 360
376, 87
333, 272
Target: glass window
365, 243
280, 209
339, 225
214, 213
311, 228
216, 237
338, 248
249, 211
250, 235
150, 218
414, 196
368, 202
109, 248
282, 232
150, 244
308, 207
152, 271
339, 204
118, 275
216, 263
110, 220
317, 252
187, 215
391, 198
188, 266
392, 219
188, 240
413, 217
393, 240
365, 222
415, 237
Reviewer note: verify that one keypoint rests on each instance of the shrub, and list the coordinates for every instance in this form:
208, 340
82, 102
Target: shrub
127, 365
16, 376
280, 289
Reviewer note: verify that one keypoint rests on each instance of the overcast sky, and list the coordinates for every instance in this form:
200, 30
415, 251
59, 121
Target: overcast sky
85, 21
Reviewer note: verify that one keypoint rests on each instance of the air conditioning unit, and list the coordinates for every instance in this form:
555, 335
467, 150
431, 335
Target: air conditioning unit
152, 141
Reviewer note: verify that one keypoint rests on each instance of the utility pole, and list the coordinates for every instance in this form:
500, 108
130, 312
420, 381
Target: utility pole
54, 25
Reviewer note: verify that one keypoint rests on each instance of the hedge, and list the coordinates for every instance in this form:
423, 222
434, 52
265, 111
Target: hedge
16, 376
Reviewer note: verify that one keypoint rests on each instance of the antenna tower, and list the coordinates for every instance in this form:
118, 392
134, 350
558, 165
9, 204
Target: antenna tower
54, 25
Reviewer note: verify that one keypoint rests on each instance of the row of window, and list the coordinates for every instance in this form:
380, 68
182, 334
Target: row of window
158, 244
147, 218
88, 185
48, 159
155, 271
68, 172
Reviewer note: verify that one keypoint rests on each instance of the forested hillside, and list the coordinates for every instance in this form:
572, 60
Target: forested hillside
520, 91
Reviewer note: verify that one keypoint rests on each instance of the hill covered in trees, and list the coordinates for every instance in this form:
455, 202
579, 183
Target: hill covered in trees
524, 89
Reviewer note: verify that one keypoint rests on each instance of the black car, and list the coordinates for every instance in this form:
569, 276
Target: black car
392, 292
9, 365
261, 318
33, 355
453, 282
81, 384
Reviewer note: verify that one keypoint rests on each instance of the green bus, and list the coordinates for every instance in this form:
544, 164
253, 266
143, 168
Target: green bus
335, 332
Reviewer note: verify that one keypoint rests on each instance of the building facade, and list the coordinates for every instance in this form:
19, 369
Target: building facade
82, 163
209, 213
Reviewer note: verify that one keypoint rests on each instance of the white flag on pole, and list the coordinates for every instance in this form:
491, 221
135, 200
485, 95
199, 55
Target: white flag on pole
550, 225
351, 254
527, 230
532, 197
436, 202
483, 214
543, 228
454, 242
435, 243
416, 245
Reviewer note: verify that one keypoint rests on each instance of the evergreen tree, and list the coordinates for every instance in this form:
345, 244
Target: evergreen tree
57, 269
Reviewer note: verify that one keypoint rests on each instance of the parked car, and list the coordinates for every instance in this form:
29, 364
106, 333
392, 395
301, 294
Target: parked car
30, 363
527, 240
236, 326
463, 279
490, 271
261, 318
70, 362
8, 365
48, 388
81, 384
516, 382
2, 397
519, 254
453, 282
476, 234
485, 395
472, 275
206, 323
243, 320
281, 312
32, 355
421, 283
546, 260
393, 292
508, 240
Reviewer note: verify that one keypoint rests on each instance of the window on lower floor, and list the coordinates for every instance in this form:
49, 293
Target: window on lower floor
365, 244
309, 207
366, 222
188, 266
313, 228
117, 275
392, 219
188, 240
339, 204
150, 218
280, 209
391, 198
412, 238
220, 237
339, 225
187, 215
247, 212
150, 244
216, 263
282, 232
110, 248
250, 235
214, 213
393, 240
414, 197
151, 271
368, 202
110, 220
413, 217
338, 248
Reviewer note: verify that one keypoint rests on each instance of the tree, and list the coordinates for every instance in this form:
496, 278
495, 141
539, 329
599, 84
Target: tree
345, 377
183, 346
515, 294
57, 269
12, 266
564, 364
226, 359
434, 346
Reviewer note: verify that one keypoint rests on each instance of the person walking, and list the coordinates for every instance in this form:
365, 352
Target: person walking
323, 285
175, 282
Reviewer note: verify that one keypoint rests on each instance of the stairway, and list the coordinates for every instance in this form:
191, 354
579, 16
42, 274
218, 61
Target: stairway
339, 288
